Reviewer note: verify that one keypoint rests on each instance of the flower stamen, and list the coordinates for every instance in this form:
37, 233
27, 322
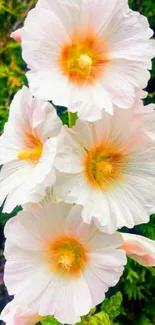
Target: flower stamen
31, 154
66, 260
34, 148
104, 166
67, 256
84, 59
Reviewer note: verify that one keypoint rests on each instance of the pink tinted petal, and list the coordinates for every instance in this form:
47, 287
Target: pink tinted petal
13, 314
16, 35
139, 248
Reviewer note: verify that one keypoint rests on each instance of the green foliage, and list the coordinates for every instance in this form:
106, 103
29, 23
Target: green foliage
143, 320
97, 319
49, 321
135, 278
100, 318
3, 117
112, 306
4, 217
148, 229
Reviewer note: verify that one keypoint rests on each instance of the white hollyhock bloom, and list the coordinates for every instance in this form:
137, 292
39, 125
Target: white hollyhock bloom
87, 55
139, 248
107, 167
27, 149
57, 264
13, 314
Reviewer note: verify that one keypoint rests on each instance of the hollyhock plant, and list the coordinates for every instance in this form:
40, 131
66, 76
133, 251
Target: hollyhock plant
27, 149
78, 184
106, 166
82, 54
13, 314
139, 248
58, 265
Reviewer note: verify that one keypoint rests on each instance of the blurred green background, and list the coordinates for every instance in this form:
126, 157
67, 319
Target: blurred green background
137, 284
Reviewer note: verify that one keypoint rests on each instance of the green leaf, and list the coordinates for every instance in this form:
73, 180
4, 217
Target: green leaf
112, 306
72, 117
49, 321
100, 318
97, 319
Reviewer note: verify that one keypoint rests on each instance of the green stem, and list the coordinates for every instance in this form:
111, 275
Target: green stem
72, 117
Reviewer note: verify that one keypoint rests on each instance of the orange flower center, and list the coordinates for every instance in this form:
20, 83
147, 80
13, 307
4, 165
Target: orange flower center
104, 166
84, 59
33, 151
67, 256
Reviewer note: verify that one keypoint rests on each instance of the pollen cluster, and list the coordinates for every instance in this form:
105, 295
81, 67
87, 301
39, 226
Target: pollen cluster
67, 256
84, 59
104, 166
33, 149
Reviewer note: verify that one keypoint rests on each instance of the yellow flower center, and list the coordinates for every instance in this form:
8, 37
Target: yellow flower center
31, 154
104, 166
80, 61
84, 62
67, 256
34, 150
84, 59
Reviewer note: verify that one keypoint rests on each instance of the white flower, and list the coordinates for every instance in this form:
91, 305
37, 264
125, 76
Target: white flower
139, 248
87, 55
13, 314
27, 149
107, 167
58, 265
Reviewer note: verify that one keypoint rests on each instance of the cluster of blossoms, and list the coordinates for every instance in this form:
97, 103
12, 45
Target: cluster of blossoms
77, 185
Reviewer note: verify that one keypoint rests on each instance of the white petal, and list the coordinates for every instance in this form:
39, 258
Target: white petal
12, 175
118, 79
105, 271
75, 226
103, 242
22, 288
110, 260
84, 134
75, 293
68, 11
131, 40
98, 13
20, 111
49, 124
97, 287
8, 149
70, 155
35, 228
49, 84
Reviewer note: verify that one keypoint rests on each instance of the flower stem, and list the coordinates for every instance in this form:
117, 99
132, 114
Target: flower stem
72, 117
